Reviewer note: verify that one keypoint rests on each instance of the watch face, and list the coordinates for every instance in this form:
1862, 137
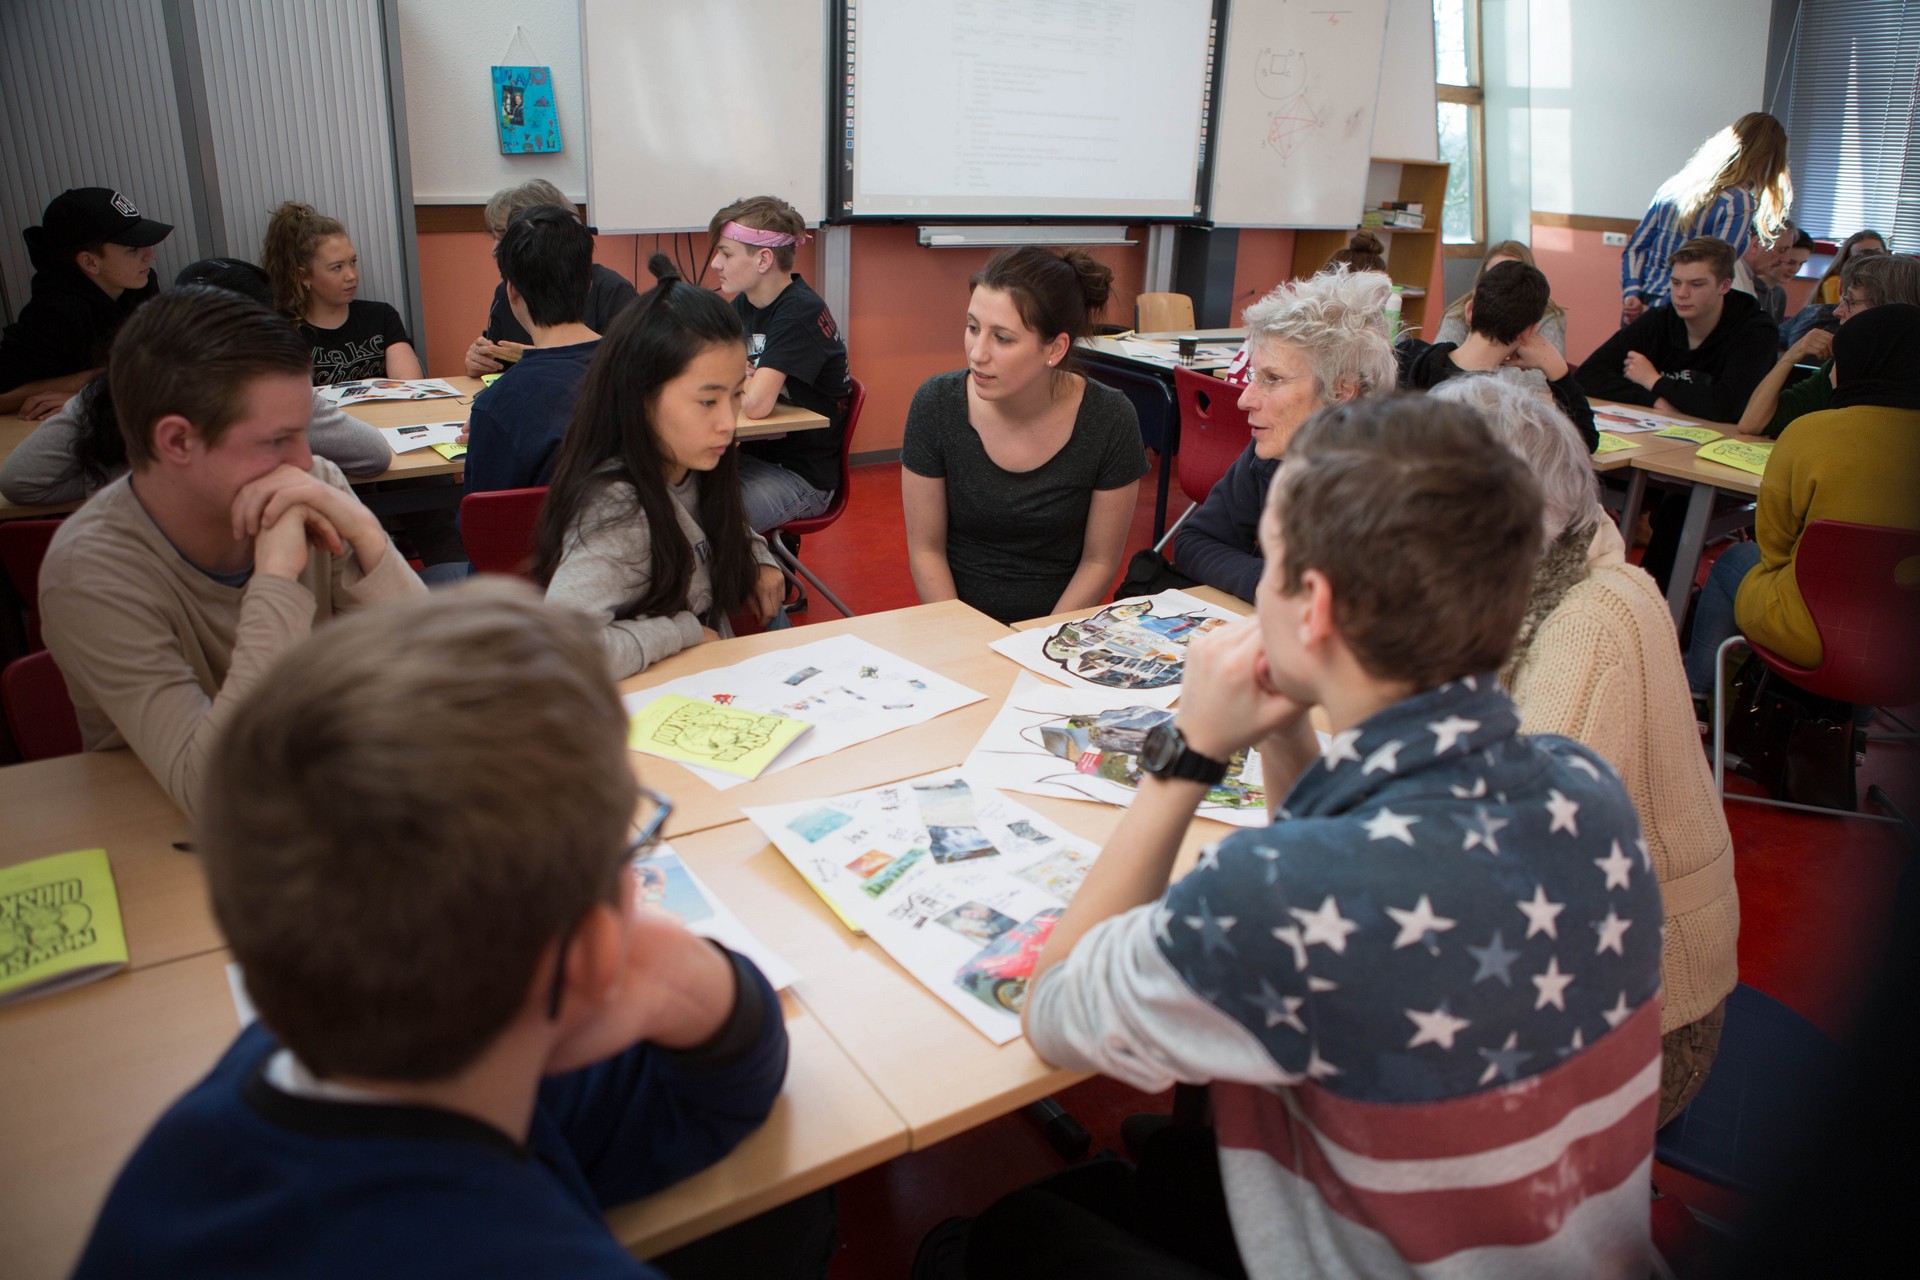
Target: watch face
1159, 746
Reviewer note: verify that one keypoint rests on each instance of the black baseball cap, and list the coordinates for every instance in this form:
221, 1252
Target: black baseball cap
97, 215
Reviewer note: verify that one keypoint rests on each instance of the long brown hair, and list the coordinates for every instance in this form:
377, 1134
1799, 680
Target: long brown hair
611, 437
1750, 153
293, 237
1846, 255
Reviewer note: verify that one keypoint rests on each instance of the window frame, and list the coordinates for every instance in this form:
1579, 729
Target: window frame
1473, 96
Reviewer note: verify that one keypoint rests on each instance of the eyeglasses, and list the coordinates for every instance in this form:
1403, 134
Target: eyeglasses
639, 846
1267, 382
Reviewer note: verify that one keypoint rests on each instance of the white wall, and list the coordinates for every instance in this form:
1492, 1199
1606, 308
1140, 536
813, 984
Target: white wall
1624, 90
447, 47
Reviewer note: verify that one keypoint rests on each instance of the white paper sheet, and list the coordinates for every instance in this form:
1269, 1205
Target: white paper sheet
848, 689
1081, 745
368, 390
955, 881
1136, 646
668, 884
1627, 420
424, 436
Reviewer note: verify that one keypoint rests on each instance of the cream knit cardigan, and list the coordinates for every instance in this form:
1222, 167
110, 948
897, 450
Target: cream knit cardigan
1604, 669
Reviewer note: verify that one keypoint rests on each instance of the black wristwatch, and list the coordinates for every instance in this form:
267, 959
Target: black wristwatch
1165, 754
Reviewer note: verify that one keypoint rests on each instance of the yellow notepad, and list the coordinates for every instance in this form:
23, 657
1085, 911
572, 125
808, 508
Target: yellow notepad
711, 734
59, 924
488, 379
1699, 435
1611, 443
451, 452
1748, 455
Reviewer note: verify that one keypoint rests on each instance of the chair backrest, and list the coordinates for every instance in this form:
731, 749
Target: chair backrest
39, 709
1213, 431
1151, 397
856, 401
23, 545
497, 528
1160, 312
1866, 609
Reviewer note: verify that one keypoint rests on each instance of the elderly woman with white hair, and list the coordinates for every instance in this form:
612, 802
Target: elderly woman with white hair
1310, 343
1596, 660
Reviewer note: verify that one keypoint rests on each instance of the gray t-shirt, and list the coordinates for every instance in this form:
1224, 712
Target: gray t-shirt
1014, 538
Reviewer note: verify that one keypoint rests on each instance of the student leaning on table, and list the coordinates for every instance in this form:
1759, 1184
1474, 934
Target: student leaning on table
472, 1040
1596, 660
1394, 990
644, 529
1310, 343
168, 595
1018, 474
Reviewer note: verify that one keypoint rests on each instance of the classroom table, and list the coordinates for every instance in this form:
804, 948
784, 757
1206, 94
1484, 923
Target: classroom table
1707, 478
948, 637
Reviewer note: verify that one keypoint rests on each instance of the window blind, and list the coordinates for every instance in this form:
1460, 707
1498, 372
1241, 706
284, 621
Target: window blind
1848, 99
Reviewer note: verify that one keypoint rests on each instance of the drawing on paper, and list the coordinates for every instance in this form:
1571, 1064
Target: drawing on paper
1127, 646
716, 733
1282, 76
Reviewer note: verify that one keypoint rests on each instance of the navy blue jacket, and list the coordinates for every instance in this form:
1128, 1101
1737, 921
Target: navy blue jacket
1219, 545
241, 1179
514, 434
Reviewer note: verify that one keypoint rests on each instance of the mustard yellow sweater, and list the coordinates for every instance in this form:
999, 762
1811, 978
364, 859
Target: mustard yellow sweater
1860, 464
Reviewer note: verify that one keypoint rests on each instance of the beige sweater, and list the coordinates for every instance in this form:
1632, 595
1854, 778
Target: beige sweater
1604, 669
156, 654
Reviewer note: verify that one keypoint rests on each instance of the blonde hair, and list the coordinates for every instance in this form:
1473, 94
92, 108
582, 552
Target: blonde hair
530, 194
1338, 318
762, 213
1751, 154
1457, 309
294, 234
403, 817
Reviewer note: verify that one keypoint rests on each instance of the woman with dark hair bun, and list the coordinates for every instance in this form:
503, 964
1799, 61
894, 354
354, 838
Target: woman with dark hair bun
643, 528
1018, 473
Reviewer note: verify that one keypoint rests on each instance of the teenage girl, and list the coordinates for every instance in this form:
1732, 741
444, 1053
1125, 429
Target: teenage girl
315, 274
643, 528
1735, 185
1018, 473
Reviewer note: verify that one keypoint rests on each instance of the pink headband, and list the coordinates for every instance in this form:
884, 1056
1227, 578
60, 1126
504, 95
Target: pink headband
762, 239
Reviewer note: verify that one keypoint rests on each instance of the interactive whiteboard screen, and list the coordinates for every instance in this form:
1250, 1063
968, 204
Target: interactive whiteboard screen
1011, 108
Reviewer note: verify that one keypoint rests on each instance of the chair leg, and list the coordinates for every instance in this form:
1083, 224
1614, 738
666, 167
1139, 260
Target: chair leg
793, 565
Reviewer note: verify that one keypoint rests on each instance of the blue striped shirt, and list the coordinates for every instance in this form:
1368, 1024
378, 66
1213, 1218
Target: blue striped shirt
1643, 267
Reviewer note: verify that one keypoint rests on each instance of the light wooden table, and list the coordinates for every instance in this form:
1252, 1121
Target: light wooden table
950, 638
1707, 479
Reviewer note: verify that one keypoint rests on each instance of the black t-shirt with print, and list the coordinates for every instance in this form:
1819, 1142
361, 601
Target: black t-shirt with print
795, 334
358, 348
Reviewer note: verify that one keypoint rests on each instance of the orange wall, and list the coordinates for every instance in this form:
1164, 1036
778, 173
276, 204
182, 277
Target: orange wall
1586, 281
1262, 260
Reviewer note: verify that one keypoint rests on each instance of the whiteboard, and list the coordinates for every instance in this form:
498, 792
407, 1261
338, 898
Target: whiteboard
692, 106
1045, 108
1405, 124
1297, 97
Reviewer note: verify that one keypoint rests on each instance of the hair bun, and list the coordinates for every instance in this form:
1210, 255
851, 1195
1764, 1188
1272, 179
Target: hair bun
1096, 277
662, 267
1365, 242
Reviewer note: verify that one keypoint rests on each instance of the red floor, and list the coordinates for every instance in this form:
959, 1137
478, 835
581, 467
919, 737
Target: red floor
1813, 902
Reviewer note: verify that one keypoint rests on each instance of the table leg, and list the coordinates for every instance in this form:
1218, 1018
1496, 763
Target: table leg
1630, 509
1686, 559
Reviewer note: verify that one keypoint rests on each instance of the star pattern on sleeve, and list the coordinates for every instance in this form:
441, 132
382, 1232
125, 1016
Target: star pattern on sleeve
1388, 825
1617, 865
1326, 925
1435, 1027
1385, 758
1552, 986
1419, 926
1495, 961
1613, 932
1340, 747
1540, 913
1449, 731
1563, 813
1212, 929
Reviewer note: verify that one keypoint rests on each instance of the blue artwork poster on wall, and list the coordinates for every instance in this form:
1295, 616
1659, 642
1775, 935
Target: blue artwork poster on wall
523, 110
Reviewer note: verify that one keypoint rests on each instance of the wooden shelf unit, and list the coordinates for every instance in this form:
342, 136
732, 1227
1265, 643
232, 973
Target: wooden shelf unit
1410, 254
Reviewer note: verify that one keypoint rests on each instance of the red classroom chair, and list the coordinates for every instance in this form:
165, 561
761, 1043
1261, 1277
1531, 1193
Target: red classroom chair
1213, 432
23, 545
497, 529
856, 398
39, 709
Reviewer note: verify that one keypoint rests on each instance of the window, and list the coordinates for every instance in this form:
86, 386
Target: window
1462, 111
1849, 92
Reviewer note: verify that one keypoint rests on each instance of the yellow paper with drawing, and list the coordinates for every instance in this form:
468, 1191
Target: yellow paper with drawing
713, 735
59, 924
1611, 443
1748, 455
1699, 435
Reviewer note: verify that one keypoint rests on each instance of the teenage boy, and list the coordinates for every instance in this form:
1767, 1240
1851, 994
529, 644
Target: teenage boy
1426, 997
168, 595
796, 351
513, 436
1503, 332
1702, 352
472, 1040
93, 264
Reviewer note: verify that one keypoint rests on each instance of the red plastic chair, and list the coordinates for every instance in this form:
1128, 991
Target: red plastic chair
1213, 432
856, 398
40, 713
1868, 615
497, 529
23, 545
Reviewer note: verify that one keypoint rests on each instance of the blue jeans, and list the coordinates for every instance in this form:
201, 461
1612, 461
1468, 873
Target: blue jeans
774, 495
1713, 622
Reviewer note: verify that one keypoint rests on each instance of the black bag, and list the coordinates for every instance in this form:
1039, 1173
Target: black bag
1148, 575
1799, 746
